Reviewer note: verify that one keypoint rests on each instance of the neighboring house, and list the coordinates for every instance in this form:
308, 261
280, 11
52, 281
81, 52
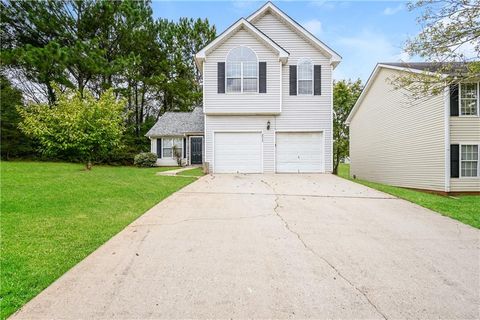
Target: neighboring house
430, 143
267, 97
178, 134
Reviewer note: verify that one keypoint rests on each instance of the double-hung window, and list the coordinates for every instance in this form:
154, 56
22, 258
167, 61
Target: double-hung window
172, 147
242, 70
305, 77
469, 100
469, 161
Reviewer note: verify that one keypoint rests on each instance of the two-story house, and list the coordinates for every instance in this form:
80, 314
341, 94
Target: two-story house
428, 143
267, 99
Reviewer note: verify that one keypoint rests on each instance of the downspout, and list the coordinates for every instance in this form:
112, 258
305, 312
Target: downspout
446, 98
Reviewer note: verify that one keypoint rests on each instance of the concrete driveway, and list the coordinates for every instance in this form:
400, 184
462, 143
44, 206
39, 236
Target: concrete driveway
275, 246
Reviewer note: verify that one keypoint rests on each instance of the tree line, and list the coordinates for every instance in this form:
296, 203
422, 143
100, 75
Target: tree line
95, 46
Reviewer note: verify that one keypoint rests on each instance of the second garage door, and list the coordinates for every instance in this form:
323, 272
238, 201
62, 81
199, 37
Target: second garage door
237, 152
299, 152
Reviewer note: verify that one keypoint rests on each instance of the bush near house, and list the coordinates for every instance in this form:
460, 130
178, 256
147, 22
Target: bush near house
145, 159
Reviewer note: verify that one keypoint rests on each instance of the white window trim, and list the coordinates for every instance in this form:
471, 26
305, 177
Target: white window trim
298, 79
241, 74
171, 138
460, 100
460, 160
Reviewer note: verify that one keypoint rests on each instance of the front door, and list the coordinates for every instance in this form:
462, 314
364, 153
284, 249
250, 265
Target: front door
196, 150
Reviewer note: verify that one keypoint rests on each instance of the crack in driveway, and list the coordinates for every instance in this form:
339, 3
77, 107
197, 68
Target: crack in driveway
287, 226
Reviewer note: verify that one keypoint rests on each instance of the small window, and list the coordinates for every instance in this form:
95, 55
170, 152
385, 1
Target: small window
469, 160
469, 99
242, 70
305, 77
172, 147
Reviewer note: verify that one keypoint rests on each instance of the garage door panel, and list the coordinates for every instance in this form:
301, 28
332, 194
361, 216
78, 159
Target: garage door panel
238, 152
299, 151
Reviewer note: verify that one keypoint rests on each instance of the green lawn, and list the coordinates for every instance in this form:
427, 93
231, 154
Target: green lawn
195, 172
462, 208
54, 214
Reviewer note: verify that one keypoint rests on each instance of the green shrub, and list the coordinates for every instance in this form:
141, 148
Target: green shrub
145, 159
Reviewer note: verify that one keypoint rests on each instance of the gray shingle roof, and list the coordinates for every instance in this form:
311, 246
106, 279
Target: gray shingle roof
450, 68
178, 123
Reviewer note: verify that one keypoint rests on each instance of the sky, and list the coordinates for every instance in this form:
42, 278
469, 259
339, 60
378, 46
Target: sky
362, 32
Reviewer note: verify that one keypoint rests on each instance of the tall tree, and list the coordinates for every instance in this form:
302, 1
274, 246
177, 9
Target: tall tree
345, 94
13, 142
450, 34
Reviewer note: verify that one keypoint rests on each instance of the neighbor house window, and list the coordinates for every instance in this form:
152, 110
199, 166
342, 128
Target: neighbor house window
171, 144
305, 77
469, 99
242, 70
469, 160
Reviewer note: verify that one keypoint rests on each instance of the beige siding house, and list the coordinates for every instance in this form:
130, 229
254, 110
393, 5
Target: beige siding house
430, 143
267, 99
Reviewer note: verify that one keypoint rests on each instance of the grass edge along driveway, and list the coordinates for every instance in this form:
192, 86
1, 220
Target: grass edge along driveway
53, 215
465, 209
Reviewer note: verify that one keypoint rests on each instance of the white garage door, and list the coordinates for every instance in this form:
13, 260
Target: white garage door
237, 152
299, 152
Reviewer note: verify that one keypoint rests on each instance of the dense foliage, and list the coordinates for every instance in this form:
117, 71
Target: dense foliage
97, 45
450, 34
145, 159
345, 94
78, 125
14, 143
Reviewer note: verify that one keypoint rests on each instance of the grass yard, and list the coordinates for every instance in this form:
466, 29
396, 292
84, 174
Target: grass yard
54, 214
195, 172
462, 208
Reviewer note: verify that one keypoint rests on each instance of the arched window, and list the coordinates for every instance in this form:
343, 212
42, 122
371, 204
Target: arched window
305, 77
242, 70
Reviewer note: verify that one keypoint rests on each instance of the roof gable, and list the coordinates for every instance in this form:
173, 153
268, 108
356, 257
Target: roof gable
234, 28
271, 8
371, 80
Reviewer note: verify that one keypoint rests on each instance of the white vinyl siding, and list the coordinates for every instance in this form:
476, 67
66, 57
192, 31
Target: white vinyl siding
237, 152
236, 103
251, 111
299, 152
463, 131
302, 112
397, 140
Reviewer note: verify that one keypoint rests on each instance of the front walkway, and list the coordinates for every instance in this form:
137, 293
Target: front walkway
275, 246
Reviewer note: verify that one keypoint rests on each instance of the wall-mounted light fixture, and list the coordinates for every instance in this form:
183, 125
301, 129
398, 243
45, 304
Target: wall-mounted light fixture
268, 125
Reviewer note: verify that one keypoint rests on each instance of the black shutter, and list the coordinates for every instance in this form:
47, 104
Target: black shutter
159, 148
454, 160
221, 77
454, 100
262, 77
184, 148
317, 80
293, 80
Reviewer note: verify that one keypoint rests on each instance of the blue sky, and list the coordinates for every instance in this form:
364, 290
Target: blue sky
362, 32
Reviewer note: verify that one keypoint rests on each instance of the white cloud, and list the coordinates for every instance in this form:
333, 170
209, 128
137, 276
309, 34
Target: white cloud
393, 10
314, 26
